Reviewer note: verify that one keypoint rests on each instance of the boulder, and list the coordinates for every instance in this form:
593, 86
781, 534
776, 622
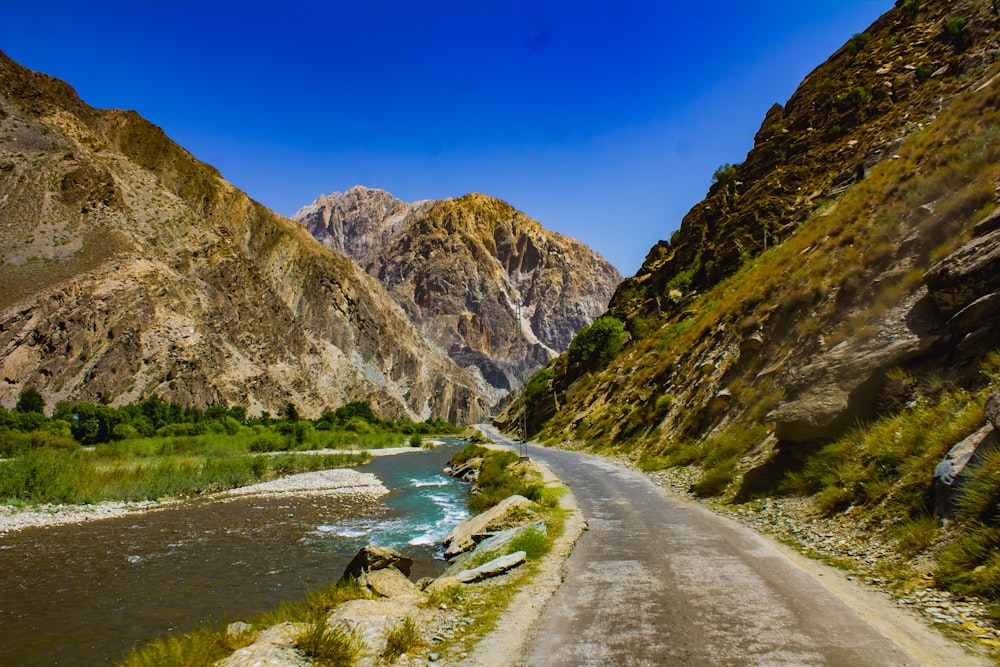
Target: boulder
391, 583
991, 411
496, 543
374, 557
967, 274
468, 471
949, 474
494, 568
370, 619
466, 534
274, 647
836, 390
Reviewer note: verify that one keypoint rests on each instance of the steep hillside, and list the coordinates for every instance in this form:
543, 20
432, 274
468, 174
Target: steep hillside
707, 343
827, 322
460, 268
129, 267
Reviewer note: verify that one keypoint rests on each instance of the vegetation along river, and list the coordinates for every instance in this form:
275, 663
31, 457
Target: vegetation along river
86, 594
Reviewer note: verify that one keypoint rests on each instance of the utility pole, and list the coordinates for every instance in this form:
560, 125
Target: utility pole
521, 365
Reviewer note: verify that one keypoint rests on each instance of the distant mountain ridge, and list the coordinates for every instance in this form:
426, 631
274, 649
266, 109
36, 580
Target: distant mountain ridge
460, 268
130, 268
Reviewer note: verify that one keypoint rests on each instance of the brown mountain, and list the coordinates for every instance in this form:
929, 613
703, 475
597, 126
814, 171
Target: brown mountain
461, 267
129, 267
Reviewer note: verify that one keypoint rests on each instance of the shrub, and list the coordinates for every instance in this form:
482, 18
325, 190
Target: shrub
401, 638
858, 42
854, 97
597, 343
724, 174
30, 401
326, 646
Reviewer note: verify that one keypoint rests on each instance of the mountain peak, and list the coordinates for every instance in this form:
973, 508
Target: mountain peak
461, 267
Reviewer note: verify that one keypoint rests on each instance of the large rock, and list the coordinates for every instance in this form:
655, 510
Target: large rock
372, 558
464, 536
391, 583
836, 390
967, 274
950, 473
274, 647
494, 568
991, 411
460, 267
496, 543
370, 619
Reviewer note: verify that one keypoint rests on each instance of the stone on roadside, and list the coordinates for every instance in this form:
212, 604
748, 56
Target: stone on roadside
494, 568
370, 619
274, 647
496, 543
463, 536
950, 472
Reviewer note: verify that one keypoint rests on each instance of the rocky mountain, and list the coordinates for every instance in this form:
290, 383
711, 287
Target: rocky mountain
820, 339
129, 267
461, 268
817, 264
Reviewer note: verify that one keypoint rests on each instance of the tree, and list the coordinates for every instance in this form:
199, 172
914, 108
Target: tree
30, 401
597, 343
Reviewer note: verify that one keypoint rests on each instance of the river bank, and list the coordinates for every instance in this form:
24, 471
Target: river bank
342, 481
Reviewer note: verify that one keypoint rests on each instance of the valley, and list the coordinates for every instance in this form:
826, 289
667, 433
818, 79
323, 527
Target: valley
808, 367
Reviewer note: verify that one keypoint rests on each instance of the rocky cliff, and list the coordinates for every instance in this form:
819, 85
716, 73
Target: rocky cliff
826, 260
461, 267
129, 267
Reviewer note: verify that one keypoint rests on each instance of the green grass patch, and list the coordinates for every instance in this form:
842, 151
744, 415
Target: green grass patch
890, 462
206, 646
402, 638
126, 473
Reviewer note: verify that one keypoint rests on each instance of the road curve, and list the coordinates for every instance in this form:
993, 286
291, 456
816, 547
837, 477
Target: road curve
656, 580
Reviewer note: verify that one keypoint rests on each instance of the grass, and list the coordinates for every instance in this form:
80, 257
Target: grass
327, 646
887, 466
206, 646
123, 472
499, 478
402, 638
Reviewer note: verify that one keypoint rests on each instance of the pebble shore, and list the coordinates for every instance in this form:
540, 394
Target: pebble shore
339, 481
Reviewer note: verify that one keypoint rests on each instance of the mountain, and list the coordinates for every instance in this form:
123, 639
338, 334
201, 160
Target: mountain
814, 267
460, 268
129, 267
818, 345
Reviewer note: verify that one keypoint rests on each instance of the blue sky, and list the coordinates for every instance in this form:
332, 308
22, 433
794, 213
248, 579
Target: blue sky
602, 120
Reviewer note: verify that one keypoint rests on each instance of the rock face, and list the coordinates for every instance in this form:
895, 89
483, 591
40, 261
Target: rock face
129, 267
460, 268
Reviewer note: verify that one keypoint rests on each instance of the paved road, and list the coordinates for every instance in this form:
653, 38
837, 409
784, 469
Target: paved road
659, 581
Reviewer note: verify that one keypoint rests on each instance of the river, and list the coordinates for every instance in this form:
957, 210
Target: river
86, 594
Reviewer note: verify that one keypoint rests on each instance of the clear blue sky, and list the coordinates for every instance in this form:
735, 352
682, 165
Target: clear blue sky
603, 120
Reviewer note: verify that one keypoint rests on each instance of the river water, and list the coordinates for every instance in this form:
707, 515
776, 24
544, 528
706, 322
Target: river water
86, 594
